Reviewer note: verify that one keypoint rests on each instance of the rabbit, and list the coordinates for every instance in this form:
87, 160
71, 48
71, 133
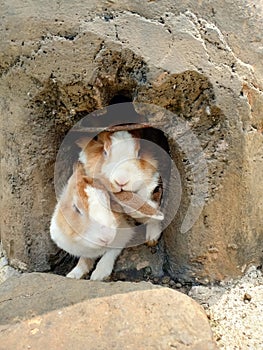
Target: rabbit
84, 225
116, 158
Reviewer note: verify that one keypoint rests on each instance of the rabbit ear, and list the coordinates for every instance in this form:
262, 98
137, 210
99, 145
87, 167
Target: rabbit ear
138, 214
136, 134
137, 146
83, 142
88, 180
81, 196
78, 167
105, 138
158, 216
75, 166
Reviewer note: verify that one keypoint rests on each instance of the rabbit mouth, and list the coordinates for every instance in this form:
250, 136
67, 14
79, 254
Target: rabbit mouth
116, 189
130, 186
121, 190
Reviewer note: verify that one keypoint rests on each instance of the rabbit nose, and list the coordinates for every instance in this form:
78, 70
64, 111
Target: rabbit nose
107, 235
121, 182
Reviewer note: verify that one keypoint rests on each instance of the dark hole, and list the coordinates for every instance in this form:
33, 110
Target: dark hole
120, 99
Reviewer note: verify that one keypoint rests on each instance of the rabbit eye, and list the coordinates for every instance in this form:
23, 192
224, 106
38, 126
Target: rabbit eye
157, 189
76, 209
105, 153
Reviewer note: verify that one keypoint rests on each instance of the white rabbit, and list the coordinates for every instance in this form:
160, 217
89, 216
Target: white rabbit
116, 158
84, 225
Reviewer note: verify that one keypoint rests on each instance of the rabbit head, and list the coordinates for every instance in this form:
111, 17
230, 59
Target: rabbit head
115, 158
83, 213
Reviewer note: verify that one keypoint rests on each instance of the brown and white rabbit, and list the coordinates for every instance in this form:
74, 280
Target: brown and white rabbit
117, 160
84, 225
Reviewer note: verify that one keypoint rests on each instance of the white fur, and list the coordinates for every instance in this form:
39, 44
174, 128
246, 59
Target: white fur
105, 265
153, 231
99, 207
83, 157
121, 168
86, 245
83, 266
101, 237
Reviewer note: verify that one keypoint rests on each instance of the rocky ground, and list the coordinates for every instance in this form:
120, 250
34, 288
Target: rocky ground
6, 271
234, 308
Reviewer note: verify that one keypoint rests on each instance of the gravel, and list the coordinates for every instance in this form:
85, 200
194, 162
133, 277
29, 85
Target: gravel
235, 311
6, 271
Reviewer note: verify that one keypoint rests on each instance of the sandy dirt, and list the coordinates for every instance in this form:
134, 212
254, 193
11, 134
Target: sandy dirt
235, 310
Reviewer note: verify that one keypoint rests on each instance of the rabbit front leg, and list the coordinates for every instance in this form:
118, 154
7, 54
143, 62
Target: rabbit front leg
153, 232
105, 265
83, 266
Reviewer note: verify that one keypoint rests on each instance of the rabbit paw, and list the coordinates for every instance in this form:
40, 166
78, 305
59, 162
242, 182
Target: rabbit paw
75, 273
99, 274
82, 268
153, 233
152, 243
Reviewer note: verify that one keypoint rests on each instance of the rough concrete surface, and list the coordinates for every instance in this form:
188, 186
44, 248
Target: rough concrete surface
6, 271
199, 60
234, 308
42, 293
105, 316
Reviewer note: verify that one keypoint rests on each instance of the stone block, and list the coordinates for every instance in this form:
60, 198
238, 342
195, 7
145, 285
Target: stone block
43, 311
61, 62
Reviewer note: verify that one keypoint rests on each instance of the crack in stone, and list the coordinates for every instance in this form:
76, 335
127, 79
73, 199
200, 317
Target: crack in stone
197, 23
45, 39
253, 86
6, 300
136, 14
25, 296
101, 48
116, 32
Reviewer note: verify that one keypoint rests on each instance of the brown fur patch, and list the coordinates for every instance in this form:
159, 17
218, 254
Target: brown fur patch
62, 222
94, 156
82, 195
73, 206
148, 164
81, 182
136, 134
105, 138
135, 202
83, 142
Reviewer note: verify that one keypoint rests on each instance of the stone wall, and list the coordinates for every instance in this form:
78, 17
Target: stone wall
201, 61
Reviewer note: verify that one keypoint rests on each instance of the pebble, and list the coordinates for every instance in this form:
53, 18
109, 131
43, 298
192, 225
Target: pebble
172, 283
237, 313
153, 250
3, 262
122, 276
166, 280
147, 270
247, 297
